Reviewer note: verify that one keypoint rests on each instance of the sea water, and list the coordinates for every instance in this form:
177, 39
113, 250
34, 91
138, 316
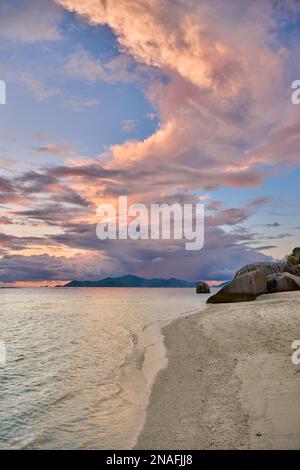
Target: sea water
80, 363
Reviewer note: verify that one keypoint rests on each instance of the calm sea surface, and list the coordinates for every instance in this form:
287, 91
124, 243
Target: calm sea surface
80, 363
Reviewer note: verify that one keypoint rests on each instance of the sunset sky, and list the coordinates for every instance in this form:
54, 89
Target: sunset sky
162, 101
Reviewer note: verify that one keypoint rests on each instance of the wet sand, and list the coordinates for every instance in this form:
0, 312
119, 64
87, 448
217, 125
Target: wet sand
230, 382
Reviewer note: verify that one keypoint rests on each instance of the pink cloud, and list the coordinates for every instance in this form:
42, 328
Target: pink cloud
226, 84
59, 149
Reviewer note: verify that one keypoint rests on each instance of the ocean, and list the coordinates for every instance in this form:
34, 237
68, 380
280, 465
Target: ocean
80, 363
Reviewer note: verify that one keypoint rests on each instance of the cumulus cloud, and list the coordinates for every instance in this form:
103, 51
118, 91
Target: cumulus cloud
179, 36
225, 87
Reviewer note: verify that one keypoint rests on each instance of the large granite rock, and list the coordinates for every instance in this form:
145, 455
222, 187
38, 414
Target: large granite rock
283, 282
202, 288
296, 269
267, 268
244, 288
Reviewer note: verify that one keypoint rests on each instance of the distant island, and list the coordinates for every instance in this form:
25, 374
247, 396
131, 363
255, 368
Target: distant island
131, 281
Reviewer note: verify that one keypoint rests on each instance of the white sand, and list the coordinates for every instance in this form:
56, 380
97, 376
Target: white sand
230, 382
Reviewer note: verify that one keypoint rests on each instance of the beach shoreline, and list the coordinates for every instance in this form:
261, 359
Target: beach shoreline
229, 381
152, 354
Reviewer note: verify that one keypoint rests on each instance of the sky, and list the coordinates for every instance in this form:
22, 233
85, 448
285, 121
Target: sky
164, 101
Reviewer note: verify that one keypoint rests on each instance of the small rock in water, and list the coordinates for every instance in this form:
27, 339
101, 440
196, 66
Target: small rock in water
202, 288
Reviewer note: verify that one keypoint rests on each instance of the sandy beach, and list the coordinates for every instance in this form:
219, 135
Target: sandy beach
230, 382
